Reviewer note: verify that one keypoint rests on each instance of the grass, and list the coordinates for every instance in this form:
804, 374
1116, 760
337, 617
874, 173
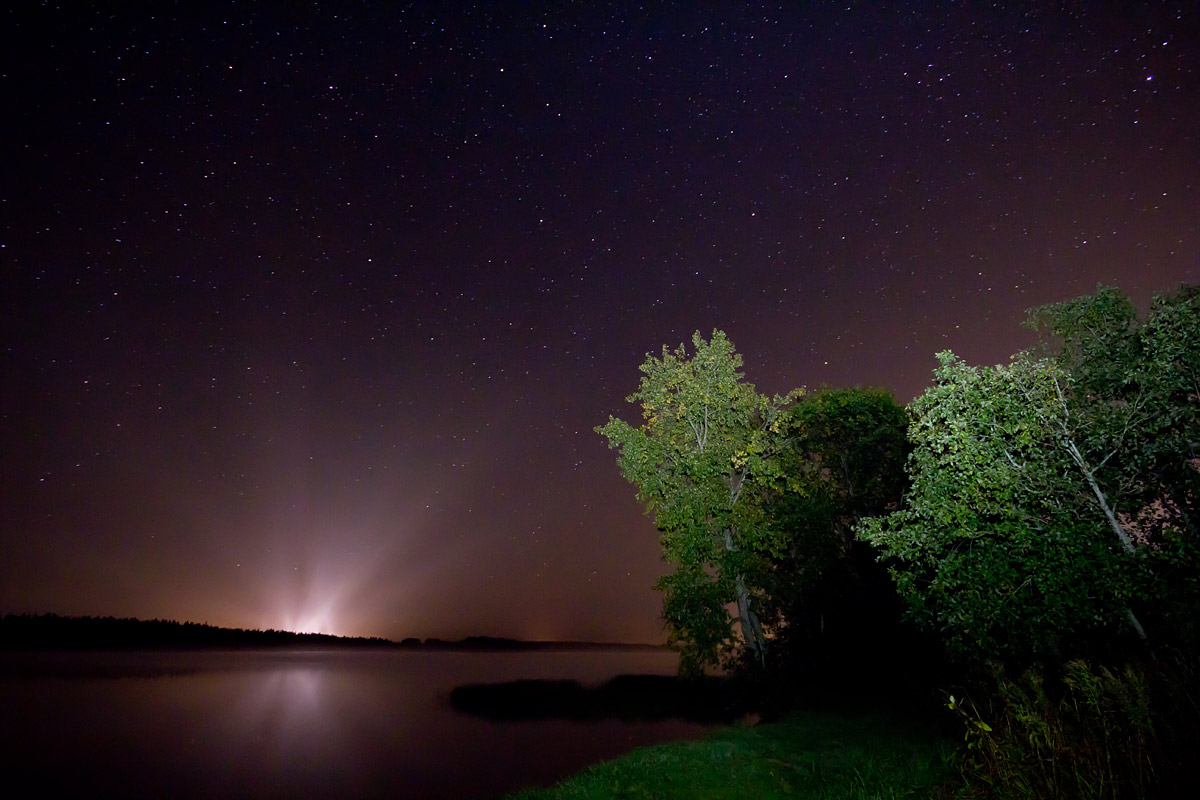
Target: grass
807, 754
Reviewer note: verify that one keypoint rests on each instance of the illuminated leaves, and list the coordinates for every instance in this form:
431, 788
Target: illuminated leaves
1016, 534
999, 544
702, 460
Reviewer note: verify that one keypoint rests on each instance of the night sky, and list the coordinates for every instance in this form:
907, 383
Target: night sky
309, 312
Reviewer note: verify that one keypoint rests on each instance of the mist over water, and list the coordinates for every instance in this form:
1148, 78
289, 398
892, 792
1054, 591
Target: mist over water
298, 724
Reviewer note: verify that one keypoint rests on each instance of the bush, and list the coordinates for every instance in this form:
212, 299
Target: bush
1083, 731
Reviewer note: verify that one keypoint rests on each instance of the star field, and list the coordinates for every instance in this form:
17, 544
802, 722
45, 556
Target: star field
309, 312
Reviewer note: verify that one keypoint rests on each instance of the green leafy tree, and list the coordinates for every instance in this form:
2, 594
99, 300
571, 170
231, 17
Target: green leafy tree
1001, 544
1051, 495
703, 460
1135, 410
844, 461
1138, 387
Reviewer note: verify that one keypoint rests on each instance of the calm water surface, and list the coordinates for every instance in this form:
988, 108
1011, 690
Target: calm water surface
297, 724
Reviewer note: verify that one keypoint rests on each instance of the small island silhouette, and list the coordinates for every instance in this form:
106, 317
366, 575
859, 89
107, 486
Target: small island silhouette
42, 632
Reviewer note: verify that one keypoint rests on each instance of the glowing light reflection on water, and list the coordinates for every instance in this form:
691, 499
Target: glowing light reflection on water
297, 724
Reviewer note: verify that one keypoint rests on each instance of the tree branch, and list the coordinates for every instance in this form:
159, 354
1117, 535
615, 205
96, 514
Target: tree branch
1077, 457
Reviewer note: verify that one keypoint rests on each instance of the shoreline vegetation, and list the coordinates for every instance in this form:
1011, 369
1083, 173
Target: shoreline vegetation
1029, 530
822, 738
45, 632
804, 754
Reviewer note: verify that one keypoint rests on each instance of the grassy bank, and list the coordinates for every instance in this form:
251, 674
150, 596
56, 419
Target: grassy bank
808, 754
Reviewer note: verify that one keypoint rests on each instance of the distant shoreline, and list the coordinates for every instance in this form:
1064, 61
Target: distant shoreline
51, 632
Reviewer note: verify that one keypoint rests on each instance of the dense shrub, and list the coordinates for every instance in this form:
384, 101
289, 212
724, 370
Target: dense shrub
1083, 731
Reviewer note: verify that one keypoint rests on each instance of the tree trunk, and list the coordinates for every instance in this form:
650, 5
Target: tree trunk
752, 632
1101, 500
1109, 513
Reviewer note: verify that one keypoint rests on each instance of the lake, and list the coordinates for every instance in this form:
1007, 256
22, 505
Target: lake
306, 724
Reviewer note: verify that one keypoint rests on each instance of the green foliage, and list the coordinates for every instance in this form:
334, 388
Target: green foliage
805, 755
1138, 393
1085, 731
1053, 509
1048, 519
756, 500
694, 609
702, 460
1053, 498
1000, 546
1138, 399
845, 460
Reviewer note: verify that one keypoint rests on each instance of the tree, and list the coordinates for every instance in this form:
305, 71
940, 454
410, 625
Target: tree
1136, 409
844, 461
703, 461
997, 545
1038, 484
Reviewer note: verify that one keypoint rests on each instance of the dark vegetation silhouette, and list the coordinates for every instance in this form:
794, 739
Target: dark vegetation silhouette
53, 632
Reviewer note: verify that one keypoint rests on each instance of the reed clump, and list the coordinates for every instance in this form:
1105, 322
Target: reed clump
1083, 730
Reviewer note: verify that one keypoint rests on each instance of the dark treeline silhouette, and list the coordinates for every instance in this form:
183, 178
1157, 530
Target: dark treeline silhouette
500, 643
54, 632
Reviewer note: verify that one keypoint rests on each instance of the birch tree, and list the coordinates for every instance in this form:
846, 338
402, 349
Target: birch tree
702, 460
1137, 392
1133, 409
1002, 544
1053, 498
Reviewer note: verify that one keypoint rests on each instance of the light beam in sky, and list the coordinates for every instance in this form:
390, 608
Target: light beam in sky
308, 315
